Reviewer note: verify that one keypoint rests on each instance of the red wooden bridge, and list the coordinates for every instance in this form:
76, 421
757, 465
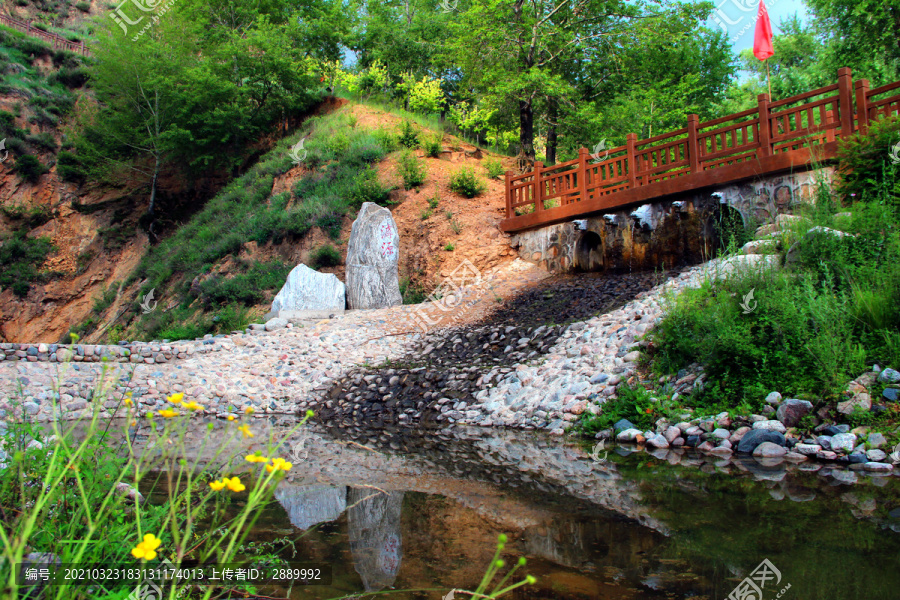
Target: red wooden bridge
774, 137
56, 40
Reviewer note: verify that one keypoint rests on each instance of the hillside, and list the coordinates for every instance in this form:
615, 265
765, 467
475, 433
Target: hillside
90, 282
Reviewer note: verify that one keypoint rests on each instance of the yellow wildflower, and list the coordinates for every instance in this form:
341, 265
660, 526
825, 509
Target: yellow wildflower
127, 402
230, 417
279, 464
146, 549
249, 410
167, 413
245, 429
217, 485
256, 458
176, 398
192, 405
234, 484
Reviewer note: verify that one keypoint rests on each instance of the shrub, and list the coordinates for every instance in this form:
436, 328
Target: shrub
434, 200
433, 146
325, 256
411, 169
449, 247
83, 6
69, 167
20, 260
44, 141
367, 188
426, 214
408, 136
465, 183
494, 168
244, 288
29, 167
866, 171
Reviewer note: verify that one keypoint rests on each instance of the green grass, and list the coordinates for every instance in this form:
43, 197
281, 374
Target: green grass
411, 169
20, 260
339, 156
819, 322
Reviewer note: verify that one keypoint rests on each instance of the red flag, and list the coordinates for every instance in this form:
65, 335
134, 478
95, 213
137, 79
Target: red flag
762, 39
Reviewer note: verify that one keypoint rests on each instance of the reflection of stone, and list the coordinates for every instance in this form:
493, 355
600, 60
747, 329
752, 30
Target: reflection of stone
308, 505
374, 523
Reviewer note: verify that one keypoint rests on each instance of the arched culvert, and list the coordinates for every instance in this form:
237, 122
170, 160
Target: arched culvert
589, 252
730, 228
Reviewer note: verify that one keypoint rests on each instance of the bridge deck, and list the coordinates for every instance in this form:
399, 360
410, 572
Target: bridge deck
795, 133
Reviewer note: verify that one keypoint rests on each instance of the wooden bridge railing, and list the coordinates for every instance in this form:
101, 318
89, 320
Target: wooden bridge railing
56, 40
773, 137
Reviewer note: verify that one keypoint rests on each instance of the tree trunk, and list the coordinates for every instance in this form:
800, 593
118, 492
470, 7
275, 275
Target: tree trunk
552, 113
526, 129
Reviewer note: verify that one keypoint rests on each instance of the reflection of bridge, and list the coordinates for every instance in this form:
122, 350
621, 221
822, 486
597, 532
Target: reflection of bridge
774, 137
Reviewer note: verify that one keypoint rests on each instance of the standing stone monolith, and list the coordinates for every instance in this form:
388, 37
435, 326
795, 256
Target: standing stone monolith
373, 253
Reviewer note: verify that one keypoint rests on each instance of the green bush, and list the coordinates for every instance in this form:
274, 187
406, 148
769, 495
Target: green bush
408, 136
29, 167
43, 141
494, 168
20, 259
634, 403
411, 169
69, 167
866, 171
367, 188
83, 6
244, 288
433, 146
465, 183
325, 256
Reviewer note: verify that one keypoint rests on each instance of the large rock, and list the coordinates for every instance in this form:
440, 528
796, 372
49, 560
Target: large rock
792, 410
306, 289
756, 437
373, 253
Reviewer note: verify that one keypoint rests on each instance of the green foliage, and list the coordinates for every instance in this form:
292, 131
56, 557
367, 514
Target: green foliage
412, 293
408, 136
29, 167
426, 214
811, 328
411, 170
449, 247
456, 226
465, 183
69, 167
20, 260
325, 256
84, 7
433, 145
247, 288
494, 168
634, 403
867, 172
434, 200
367, 188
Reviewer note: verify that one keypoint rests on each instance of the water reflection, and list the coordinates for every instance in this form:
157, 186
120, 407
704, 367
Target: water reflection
374, 529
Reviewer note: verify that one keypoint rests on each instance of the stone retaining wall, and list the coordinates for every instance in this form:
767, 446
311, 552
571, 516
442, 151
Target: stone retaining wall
132, 352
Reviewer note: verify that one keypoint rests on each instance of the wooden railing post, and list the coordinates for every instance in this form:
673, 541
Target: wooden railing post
582, 173
693, 147
537, 188
509, 210
630, 141
764, 127
845, 95
862, 106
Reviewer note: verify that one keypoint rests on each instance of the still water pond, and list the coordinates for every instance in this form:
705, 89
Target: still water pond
407, 510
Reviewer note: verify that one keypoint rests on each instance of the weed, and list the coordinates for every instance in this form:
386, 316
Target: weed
494, 168
465, 183
325, 256
411, 169
449, 247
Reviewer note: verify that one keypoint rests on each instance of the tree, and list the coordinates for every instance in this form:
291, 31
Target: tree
537, 55
862, 32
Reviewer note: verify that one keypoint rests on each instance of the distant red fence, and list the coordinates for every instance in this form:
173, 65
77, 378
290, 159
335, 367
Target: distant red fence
56, 40
771, 138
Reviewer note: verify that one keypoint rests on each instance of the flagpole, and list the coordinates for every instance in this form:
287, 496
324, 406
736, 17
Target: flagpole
769, 80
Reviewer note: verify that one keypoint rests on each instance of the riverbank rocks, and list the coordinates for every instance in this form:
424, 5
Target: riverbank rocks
306, 289
792, 410
769, 450
373, 253
755, 437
